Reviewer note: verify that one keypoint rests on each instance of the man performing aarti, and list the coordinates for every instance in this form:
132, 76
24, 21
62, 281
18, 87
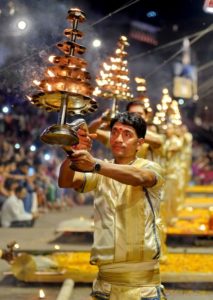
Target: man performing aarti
127, 189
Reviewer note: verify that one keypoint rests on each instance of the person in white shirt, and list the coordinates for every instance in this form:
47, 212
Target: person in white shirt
13, 213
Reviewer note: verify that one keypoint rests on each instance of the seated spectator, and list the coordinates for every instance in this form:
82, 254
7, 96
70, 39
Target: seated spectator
27, 180
13, 212
3, 190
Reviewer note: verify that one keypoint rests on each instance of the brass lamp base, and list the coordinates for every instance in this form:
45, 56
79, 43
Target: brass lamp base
60, 135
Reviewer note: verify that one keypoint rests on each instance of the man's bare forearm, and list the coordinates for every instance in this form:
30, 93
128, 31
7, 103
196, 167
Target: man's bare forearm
95, 124
127, 174
69, 178
153, 139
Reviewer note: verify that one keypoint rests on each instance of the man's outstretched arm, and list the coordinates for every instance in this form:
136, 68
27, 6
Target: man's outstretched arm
127, 174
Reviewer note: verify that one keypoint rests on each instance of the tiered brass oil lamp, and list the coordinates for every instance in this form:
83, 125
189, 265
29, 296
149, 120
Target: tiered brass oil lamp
167, 112
113, 80
142, 97
66, 88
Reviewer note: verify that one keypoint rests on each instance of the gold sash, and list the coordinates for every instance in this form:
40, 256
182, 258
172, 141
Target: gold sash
127, 285
138, 274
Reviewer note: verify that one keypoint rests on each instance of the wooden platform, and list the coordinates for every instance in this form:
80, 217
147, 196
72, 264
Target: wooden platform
199, 202
178, 268
206, 189
169, 277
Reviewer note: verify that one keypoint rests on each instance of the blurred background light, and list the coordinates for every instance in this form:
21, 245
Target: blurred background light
96, 43
208, 6
47, 156
151, 14
5, 109
33, 148
181, 101
22, 25
17, 146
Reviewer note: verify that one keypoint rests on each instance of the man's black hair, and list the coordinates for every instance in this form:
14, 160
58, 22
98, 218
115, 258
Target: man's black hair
23, 163
19, 188
135, 102
9, 182
131, 119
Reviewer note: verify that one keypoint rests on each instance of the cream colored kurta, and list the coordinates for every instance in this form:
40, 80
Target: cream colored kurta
126, 240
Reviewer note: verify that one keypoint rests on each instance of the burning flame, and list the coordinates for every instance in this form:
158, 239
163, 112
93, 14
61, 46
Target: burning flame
41, 294
50, 73
29, 98
16, 246
202, 227
51, 58
49, 87
36, 82
57, 247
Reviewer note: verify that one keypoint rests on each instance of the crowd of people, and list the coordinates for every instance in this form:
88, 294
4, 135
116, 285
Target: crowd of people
202, 164
29, 170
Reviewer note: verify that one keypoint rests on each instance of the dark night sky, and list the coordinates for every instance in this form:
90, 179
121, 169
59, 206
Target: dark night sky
23, 55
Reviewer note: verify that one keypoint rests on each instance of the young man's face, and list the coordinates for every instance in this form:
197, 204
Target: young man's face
124, 141
22, 194
138, 109
24, 169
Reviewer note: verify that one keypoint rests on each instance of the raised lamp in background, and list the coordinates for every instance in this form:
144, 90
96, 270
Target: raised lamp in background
113, 79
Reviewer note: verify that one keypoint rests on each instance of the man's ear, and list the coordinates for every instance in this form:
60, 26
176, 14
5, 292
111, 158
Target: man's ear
140, 142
